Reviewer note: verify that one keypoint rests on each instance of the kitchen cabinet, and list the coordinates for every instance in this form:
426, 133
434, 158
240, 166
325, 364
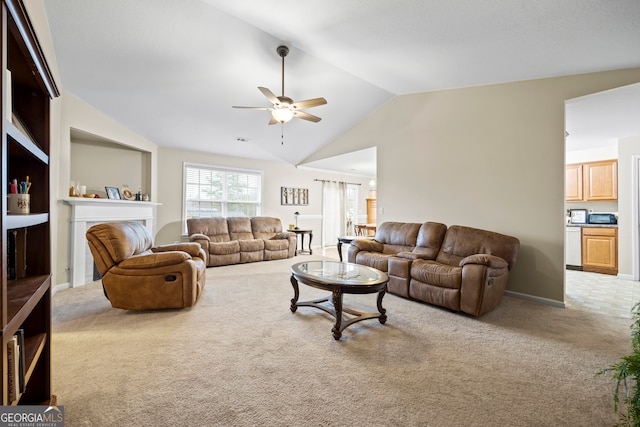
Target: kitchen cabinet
371, 211
574, 182
592, 181
600, 249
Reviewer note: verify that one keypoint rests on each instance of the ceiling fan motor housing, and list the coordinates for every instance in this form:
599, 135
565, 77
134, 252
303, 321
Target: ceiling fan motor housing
283, 51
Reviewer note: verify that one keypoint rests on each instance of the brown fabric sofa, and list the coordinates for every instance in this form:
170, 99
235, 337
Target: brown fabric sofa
236, 240
461, 268
138, 276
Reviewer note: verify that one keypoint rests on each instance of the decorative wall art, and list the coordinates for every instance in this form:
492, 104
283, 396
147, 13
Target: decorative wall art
294, 196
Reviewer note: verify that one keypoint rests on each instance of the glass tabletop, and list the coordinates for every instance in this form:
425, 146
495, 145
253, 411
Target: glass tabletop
339, 272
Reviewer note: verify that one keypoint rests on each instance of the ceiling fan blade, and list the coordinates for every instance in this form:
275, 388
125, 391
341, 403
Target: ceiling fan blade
273, 121
306, 116
300, 105
254, 108
270, 96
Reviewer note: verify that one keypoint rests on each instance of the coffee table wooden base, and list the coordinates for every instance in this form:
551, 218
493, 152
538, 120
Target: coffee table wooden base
333, 305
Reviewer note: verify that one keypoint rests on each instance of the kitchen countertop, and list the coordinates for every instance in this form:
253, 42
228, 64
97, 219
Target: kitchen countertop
593, 225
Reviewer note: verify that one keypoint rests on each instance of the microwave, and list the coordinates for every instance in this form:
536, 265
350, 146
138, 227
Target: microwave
602, 218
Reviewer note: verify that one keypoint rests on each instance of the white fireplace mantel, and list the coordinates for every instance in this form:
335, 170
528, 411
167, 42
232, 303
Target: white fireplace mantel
86, 212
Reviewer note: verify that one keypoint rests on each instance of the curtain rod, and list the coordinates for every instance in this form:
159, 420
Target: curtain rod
339, 182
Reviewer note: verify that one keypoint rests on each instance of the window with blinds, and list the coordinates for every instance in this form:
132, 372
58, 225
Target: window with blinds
211, 191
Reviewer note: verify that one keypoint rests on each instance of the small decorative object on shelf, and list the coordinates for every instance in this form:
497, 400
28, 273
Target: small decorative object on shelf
126, 193
112, 193
296, 214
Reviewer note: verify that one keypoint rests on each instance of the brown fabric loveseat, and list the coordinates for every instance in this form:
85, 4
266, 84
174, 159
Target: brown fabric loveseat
236, 240
461, 268
138, 276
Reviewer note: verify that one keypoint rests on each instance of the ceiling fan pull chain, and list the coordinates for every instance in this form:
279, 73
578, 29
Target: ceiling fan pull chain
282, 133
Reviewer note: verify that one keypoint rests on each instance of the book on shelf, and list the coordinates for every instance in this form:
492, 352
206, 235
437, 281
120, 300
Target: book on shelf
13, 374
16, 254
21, 360
12, 255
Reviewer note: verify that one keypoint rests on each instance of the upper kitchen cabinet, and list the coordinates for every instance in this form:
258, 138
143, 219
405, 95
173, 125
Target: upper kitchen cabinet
592, 181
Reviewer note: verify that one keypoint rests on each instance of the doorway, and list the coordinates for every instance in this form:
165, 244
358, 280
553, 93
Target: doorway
595, 125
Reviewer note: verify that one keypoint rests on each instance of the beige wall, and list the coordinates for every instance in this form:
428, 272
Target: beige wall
275, 175
96, 165
490, 157
627, 149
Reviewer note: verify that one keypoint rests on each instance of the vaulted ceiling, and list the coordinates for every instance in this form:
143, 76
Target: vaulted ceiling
171, 70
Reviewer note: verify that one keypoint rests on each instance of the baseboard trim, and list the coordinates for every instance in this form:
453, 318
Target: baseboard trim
625, 277
60, 287
545, 301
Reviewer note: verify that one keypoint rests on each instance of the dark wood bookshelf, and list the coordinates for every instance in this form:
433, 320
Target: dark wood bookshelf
25, 294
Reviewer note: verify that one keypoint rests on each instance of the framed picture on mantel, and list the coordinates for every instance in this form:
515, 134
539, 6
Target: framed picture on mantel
294, 196
113, 193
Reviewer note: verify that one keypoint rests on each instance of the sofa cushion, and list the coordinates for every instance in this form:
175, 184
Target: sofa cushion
251, 250
400, 235
264, 227
374, 259
215, 228
240, 228
276, 244
437, 274
429, 240
460, 242
253, 245
224, 248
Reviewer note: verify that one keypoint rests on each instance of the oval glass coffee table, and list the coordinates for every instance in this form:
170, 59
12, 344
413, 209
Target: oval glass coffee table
339, 278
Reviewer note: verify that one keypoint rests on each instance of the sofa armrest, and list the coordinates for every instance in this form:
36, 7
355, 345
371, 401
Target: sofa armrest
413, 256
490, 261
198, 236
282, 236
155, 260
192, 248
368, 245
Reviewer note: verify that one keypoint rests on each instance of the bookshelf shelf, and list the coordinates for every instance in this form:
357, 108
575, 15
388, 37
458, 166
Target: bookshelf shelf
22, 221
28, 145
25, 287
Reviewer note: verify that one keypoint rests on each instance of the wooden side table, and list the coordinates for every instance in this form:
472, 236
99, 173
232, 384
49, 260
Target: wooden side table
344, 239
347, 240
301, 233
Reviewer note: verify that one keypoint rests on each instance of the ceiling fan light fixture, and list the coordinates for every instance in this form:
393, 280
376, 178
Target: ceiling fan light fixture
282, 115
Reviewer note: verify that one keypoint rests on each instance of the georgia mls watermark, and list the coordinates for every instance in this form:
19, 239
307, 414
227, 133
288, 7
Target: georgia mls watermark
31, 416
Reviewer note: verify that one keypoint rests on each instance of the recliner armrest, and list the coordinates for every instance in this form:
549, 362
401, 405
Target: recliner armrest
198, 236
368, 245
192, 248
490, 261
155, 260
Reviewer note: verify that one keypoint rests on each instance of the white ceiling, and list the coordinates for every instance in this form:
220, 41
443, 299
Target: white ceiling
170, 70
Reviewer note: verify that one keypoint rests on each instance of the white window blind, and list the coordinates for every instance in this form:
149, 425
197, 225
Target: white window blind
211, 191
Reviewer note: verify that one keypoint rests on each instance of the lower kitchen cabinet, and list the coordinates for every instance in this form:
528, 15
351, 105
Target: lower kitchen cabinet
600, 249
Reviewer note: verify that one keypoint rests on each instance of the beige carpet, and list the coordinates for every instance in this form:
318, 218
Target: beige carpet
241, 358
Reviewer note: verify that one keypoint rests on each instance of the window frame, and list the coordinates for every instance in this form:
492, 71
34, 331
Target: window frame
224, 201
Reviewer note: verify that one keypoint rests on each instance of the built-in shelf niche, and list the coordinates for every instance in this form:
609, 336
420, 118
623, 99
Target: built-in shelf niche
96, 162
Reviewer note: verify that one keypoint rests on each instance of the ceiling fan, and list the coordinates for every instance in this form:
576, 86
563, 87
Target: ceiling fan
284, 109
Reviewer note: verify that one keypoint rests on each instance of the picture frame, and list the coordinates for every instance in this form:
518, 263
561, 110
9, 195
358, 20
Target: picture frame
578, 216
294, 196
113, 193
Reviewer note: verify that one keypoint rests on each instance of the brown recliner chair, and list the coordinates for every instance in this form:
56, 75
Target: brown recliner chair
138, 276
